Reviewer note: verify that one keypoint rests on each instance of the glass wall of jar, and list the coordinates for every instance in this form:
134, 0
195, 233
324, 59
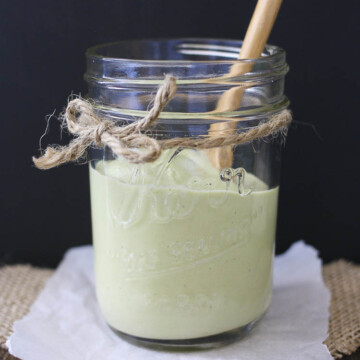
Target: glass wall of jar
184, 245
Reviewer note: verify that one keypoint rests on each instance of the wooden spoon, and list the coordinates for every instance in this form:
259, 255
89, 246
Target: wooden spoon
254, 43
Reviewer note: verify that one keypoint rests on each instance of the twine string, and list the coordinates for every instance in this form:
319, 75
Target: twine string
91, 130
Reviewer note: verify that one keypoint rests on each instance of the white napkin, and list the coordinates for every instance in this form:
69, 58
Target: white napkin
65, 321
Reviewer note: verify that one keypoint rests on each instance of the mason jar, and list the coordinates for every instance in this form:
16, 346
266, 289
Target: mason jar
184, 245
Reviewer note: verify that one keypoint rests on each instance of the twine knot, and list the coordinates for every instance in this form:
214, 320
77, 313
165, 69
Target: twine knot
91, 130
102, 127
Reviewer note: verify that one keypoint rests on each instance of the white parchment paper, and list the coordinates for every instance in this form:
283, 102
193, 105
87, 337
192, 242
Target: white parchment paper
65, 321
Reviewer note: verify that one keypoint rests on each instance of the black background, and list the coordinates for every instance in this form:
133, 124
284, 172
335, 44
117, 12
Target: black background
42, 42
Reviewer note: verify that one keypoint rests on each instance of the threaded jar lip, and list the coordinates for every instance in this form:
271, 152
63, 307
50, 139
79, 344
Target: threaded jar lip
271, 51
223, 52
200, 66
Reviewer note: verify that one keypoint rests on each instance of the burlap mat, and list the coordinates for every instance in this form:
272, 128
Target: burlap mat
19, 287
343, 280
21, 284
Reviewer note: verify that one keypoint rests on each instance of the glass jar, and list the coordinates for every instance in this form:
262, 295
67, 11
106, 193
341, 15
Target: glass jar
184, 245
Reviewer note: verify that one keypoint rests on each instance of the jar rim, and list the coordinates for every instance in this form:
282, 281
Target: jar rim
271, 53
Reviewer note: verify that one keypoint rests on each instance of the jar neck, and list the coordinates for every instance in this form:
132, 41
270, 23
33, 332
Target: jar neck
123, 78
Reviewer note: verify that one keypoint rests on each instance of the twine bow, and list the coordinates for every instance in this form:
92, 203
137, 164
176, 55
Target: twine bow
91, 130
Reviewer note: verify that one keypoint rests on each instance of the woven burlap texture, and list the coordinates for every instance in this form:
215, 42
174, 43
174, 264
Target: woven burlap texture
343, 280
21, 284
19, 287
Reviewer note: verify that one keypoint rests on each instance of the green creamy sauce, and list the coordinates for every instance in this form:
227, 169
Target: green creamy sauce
179, 253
